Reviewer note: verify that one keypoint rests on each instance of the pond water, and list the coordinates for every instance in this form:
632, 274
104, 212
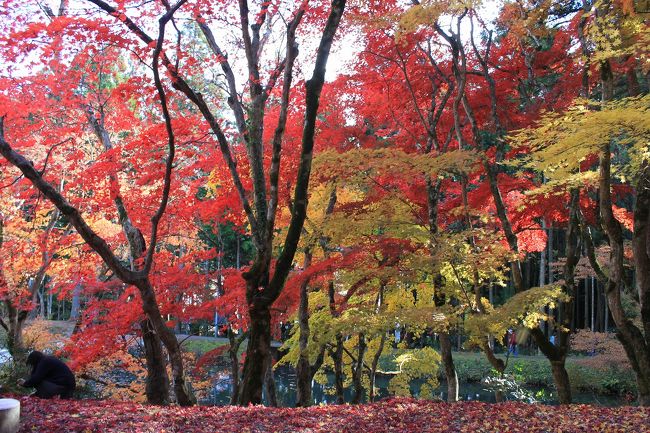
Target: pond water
285, 379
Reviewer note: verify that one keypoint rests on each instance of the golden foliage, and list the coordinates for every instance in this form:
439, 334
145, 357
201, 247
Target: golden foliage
102, 376
355, 166
617, 31
38, 335
562, 141
523, 309
416, 364
429, 11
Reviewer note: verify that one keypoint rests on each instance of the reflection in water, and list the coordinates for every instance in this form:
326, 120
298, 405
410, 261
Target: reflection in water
285, 380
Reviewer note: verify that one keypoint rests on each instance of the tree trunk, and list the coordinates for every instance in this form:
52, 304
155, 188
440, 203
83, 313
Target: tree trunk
76, 302
373, 368
637, 347
184, 396
640, 365
15, 324
450, 370
49, 304
561, 379
593, 304
258, 354
641, 248
337, 359
497, 364
157, 382
262, 288
336, 354
233, 352
357, 371
511, 237
303, 368
269, 384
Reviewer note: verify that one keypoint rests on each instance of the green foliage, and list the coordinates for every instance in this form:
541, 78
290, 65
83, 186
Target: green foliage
610, 379
225, 238
536, 371
9, 375
508, 385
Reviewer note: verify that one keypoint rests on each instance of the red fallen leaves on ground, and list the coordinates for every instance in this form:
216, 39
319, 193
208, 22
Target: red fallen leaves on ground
393, 415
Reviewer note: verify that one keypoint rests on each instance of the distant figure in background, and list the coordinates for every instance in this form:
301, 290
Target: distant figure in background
50, 376
512, 342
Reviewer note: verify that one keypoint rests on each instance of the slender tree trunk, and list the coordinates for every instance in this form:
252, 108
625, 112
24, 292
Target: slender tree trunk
357, 372
234, 368
262, 288
337, 353
303, 368
76, 302
379, 303
372, 374
433, 193
14, 328
636, 345
49, 304
593, 304
586, 303
542, 274
497, 364
233, 353
450, 369
337, 360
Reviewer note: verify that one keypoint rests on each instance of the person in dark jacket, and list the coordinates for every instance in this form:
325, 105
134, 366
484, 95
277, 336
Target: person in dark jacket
50, 376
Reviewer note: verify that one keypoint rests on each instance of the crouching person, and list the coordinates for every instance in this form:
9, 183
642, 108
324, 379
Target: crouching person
50, 376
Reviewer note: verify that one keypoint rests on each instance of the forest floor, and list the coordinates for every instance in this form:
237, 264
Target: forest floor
392, 415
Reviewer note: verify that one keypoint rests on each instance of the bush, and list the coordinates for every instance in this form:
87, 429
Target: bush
603, 367
10, 372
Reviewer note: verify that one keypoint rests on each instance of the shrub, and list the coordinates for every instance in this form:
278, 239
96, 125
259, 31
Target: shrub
604, 349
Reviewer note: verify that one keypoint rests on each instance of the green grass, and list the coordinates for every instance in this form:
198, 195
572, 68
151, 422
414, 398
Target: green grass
200, 347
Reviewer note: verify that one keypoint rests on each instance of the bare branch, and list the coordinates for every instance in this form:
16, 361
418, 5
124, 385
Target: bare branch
299, 211
171, 140
274, 173
179, 83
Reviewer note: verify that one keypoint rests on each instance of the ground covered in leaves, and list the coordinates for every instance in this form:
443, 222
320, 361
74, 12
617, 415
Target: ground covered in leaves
394, 415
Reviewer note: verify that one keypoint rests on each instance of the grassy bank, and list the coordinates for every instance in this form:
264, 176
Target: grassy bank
606, 378
536, 371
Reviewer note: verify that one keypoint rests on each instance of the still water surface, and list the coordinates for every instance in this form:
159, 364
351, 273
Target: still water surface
285, 380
